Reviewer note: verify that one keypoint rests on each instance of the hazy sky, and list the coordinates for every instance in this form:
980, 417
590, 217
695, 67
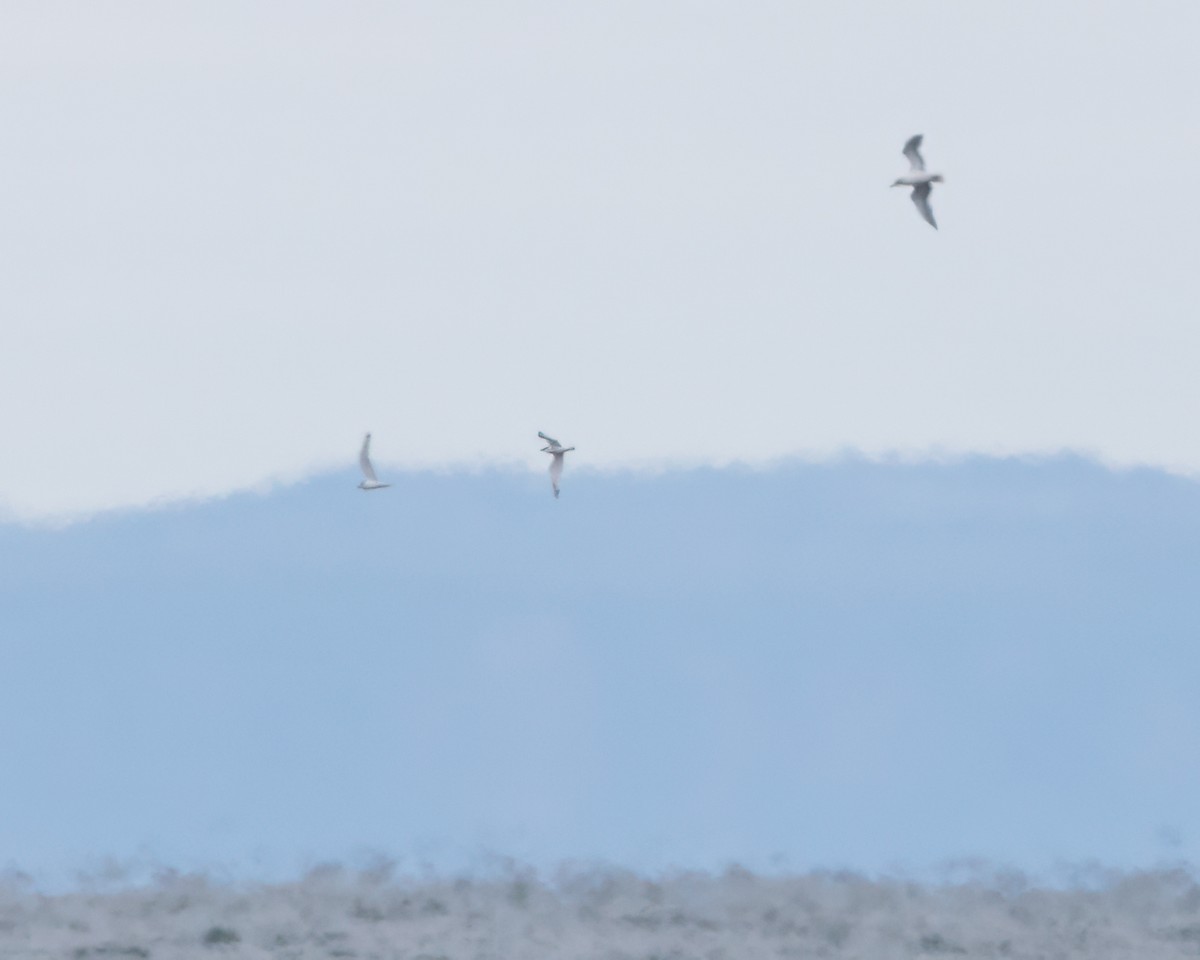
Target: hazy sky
238, 234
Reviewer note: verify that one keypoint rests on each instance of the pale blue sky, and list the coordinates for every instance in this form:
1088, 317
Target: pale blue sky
850, 664
240, 234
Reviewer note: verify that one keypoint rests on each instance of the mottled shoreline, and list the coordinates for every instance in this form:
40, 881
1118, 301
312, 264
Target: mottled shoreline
606, 913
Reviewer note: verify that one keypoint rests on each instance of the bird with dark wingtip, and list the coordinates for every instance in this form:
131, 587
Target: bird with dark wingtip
917, 178
556, 450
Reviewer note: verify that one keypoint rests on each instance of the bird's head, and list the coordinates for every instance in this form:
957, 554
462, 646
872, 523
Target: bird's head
937, 178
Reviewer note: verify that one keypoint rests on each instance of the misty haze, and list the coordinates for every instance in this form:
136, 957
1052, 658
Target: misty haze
538, 427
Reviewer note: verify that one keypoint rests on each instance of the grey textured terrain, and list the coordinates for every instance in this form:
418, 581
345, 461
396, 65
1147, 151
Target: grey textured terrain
604, 913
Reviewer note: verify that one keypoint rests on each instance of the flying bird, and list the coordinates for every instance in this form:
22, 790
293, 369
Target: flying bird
556, 450
918, 179
370, 481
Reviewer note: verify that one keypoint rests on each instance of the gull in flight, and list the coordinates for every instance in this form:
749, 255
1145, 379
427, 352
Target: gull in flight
370, 481
556, 450
918, 179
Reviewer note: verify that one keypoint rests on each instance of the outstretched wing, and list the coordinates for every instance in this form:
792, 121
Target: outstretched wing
364, 460
920, 196
549, 440
912, 150
556, 465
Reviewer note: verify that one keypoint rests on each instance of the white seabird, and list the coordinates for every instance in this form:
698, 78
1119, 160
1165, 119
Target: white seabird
370, 481
556, 450
918, 179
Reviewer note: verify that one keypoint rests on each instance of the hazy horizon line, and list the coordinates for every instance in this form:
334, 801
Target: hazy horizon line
845, 456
